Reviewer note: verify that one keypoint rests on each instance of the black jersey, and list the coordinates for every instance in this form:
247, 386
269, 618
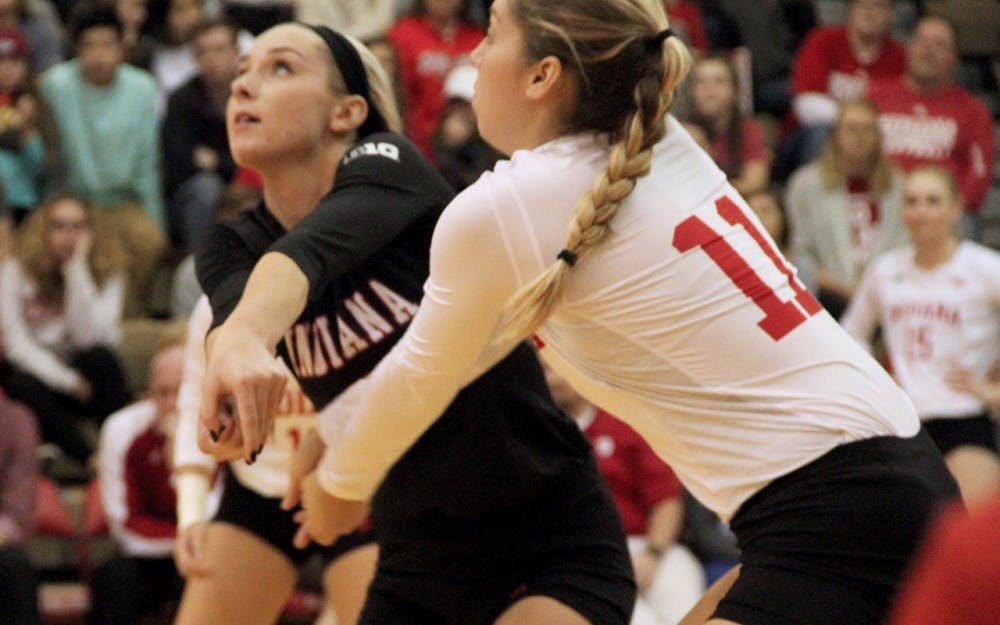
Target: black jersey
502, 444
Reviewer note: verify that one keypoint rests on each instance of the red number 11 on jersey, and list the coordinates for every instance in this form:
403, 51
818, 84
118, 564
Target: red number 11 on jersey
780, 317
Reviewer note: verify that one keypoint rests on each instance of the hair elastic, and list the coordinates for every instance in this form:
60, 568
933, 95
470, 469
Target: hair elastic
567, 257
657, 40
348, 61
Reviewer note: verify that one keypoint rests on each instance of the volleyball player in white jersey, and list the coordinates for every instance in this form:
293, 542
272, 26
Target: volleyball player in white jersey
665, 303
938, 303
240, 564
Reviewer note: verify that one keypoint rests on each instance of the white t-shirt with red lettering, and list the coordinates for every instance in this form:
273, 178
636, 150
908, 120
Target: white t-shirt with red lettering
932, 320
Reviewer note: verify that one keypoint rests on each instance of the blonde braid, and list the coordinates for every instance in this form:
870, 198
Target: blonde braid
630, 159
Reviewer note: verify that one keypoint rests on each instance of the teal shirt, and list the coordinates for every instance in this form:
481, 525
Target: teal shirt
109, 135
22, 172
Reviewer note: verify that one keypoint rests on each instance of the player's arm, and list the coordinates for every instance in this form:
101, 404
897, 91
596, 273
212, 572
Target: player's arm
369, 426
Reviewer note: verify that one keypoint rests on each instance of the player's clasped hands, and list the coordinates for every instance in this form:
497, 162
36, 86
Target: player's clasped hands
323, 517
242, 388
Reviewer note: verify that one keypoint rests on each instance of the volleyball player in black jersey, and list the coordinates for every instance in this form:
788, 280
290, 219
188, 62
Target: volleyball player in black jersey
497, 513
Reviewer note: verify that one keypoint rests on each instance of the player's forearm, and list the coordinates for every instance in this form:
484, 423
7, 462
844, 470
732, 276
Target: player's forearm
274, 297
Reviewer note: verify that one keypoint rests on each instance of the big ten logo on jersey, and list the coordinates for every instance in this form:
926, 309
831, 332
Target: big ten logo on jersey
374, 313
732, 236
373, 148
296, 415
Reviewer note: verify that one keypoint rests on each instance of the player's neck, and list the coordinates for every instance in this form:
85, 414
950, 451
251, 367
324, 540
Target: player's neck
292, 192
933, 255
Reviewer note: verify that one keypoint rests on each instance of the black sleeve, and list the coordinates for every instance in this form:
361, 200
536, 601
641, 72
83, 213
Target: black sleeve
384, 185
223, 264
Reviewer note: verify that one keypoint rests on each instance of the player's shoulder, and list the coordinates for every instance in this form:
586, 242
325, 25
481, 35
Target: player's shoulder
387, 158
980, 257
892, 261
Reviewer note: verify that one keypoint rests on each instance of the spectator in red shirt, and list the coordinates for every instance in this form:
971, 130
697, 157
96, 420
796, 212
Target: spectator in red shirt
927, 119
434, 38
139, 501
18, 474
956, 581
835, 63
650, 501
737, 140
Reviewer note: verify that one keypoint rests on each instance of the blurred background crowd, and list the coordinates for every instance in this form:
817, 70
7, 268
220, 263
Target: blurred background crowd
114, 162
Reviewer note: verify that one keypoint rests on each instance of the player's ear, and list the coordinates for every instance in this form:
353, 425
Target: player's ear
544, 78
348, 113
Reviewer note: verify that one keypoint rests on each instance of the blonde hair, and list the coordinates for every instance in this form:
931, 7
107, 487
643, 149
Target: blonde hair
626, 81
106, 257
832, 170
942, 174
380, 90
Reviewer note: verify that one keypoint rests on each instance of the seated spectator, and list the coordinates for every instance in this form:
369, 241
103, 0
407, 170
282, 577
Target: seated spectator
938, 302
104, 114
173, 62
956, 578
257, 16
22, 149
198, 165
771, 30
773, 216
136, 449
737, 140
650, 500
42, 31
835, 64
432, 39
18, 475
184, 287
461, 154
137, 37
845, 208
364, 21
928, 119
60, 307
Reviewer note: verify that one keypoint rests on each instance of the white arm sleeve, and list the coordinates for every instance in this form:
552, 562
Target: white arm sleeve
186, 450
375, 421
815, 109
19, 345
93, 314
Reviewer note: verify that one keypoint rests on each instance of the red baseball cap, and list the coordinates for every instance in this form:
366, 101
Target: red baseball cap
12, 43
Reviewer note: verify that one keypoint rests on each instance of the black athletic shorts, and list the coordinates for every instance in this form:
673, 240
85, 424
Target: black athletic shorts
263, 517
949, 433
828, 543
573, 552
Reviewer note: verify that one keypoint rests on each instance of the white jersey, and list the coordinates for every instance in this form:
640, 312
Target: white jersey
268, 476
685, 322
933, 321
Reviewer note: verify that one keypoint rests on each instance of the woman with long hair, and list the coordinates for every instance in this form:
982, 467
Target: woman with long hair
352, 204
650, 286
938, 304
60, 308
846, 207
738, 144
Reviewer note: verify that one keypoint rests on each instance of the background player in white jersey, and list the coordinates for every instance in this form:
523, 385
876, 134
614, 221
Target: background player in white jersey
665, 304
938, 303
239, 563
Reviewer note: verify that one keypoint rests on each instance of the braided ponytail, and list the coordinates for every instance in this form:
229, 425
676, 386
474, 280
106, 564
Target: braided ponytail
652, 95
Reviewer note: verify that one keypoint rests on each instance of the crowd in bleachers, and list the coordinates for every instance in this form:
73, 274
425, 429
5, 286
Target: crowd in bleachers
114, 163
